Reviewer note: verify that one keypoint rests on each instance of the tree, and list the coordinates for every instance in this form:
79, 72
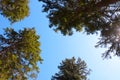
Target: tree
91, 15
19, 54
14, 10
70, 69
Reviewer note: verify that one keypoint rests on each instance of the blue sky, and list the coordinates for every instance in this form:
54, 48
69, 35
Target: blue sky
56, 47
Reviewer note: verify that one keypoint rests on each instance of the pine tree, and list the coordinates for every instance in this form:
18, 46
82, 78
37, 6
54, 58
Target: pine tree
14, 10
19, 54
70, 69
92, 16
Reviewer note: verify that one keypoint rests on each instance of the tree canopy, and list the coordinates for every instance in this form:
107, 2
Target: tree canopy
19, 54
14, 10
91, 15
70, 69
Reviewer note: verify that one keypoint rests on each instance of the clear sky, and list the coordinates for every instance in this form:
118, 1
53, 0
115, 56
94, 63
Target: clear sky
56, 47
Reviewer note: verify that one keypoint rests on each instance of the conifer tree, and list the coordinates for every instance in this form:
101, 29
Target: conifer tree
70, 69
14, 10
92, 16
19, 54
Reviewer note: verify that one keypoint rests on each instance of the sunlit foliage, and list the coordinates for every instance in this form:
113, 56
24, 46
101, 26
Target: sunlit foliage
19, 54
14, 10
70, 69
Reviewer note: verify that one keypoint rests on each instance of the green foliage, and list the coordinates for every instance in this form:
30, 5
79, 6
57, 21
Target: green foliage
70, 69
110, 37
91, 15
19, 54
66, 15
14, 10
